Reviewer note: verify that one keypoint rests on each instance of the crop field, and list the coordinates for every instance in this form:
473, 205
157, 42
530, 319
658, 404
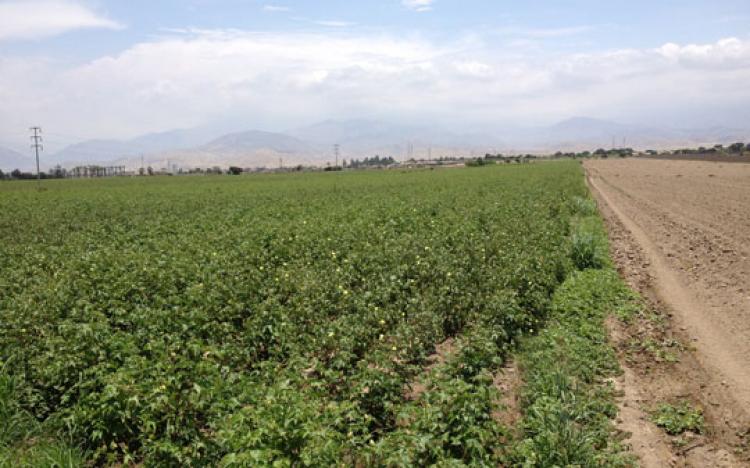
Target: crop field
293, 320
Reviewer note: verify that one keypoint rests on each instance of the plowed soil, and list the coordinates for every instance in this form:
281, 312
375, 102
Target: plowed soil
680, 234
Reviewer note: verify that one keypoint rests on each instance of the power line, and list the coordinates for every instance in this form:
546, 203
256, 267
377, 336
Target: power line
37, 146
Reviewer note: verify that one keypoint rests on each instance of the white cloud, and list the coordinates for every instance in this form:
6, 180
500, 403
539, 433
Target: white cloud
730, 52
276, 81
276, 8
475, 69
334, 23
34, 19
418, 5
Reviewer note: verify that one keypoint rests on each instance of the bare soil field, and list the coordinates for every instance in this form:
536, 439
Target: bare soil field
680, 233
708, 157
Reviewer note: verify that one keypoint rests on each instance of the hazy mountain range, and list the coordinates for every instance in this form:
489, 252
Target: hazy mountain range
10, 159
204, 147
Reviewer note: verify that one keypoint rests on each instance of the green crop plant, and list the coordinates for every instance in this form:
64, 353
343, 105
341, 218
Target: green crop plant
274, 319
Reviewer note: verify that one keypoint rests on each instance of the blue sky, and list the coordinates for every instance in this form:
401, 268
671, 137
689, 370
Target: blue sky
117, 68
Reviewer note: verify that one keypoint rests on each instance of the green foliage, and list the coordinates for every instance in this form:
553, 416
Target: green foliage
567, 408
588, 248
479, 162
583, 206
23, 440
276, 318
678, 419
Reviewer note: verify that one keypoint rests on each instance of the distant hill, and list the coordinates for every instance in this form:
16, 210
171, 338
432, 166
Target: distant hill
361, 135
10, 160
359, 138
583, 133
100, 151
355, 132
255, 140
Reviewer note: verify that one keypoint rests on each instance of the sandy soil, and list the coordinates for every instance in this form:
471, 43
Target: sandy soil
679, 232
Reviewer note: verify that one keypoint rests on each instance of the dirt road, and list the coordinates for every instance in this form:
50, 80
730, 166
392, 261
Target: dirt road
681, 231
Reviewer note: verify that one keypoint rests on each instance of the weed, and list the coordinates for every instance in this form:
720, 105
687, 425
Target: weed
584, 206
586, 250
678, 419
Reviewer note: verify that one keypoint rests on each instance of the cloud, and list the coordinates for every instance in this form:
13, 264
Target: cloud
35, 19
731, 52
418, 5
280, 80
276, 8
334, 24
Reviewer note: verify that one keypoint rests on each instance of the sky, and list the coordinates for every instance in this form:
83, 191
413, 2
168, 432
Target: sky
116, 69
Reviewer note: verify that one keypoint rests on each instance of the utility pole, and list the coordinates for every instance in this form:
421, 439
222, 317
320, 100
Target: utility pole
336, 152
37, 146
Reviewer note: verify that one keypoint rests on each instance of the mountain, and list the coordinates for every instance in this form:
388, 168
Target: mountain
252, 148
354, 133
589, 133
255, 140
361, 135
358, 138
100, 151
10, 160
583, 133
174, 139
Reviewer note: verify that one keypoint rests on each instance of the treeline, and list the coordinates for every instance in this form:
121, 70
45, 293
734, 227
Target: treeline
375, 161
17, 174
735, 148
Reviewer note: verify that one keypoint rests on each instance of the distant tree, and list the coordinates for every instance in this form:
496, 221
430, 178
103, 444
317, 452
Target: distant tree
150, 170
16, 174
234, 170
736, 147
478, 162
2, 174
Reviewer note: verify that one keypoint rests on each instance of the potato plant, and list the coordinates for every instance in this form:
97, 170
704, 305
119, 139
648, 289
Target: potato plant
276, 319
